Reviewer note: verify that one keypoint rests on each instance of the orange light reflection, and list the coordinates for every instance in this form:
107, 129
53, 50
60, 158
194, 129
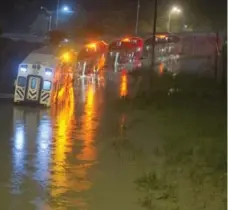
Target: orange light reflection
123, 85
63, 181
101, 62
89, 126
161, 36
126, 40
63, 117
161, 68
63, 78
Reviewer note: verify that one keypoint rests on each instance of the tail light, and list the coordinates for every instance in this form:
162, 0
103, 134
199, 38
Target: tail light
123, 72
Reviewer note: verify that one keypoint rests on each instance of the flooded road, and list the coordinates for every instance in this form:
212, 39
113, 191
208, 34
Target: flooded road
63, 158
90, 152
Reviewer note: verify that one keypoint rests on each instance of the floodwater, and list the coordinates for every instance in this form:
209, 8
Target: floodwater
63, 157
75, 155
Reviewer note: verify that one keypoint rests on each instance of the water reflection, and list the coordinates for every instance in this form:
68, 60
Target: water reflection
54, 150
63, 120
30, 156
44, 137
89, 125
86, 135
123, 85
18, 156
74, 151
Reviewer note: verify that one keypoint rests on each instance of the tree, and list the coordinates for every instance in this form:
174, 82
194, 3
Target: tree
205, 13
24, 12
40, 25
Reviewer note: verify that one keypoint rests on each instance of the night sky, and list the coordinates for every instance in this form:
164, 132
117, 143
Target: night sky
16, 13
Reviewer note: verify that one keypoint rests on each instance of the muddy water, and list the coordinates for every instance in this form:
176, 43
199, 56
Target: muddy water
64, 158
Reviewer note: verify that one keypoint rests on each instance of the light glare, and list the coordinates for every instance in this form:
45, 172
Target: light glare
66, 9
175, 10
23, 69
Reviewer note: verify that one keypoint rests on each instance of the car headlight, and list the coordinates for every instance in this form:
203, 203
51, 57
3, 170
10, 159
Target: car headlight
48, 71
23, 67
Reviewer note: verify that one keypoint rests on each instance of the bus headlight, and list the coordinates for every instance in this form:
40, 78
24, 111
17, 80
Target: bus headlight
23, 68
48, 71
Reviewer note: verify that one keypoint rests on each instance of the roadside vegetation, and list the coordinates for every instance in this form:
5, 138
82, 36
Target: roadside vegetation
183, 121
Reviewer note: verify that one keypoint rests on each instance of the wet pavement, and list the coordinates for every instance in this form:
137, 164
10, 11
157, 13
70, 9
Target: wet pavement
62, 157
75, 155
68, 156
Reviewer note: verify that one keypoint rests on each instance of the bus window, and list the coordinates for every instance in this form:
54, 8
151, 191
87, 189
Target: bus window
33, 83
21, 81
146, 51
47, 85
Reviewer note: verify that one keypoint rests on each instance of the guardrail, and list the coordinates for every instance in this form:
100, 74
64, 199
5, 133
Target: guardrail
24, 37
6, 96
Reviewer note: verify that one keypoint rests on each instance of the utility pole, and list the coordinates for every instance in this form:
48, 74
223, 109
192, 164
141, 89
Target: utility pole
49, 17
216, 55
169, 22
50, 23
137, 18
57, 14
154, 34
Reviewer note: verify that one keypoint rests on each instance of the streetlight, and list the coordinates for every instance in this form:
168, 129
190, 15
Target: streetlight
64, 9
174, 10
49, 16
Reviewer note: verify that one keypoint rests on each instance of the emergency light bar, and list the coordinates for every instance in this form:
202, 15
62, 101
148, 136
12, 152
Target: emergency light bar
126, 40
92, 46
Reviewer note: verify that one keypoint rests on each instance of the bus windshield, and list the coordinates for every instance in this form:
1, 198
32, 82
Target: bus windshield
126, 44
86, 53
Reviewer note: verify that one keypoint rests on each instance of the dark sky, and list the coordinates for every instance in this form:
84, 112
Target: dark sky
15, 12
91, 5
88, 4
104, 4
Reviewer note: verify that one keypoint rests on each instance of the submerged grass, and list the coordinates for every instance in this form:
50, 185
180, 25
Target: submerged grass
191, 125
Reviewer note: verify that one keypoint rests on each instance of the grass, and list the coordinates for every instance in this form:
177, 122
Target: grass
191, 125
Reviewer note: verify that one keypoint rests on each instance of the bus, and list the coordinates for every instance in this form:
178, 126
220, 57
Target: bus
91, 58
43, 77
125, 53
166, 51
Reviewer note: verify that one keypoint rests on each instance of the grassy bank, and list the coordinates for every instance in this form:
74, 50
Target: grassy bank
189, 162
